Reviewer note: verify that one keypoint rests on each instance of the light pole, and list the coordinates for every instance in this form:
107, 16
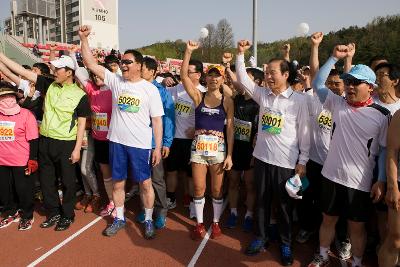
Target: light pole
255, 30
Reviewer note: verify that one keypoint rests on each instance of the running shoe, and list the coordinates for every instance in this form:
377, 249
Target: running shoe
248, 224
64, 223
215, 231
171, 204
140, 218
10, 219
344, 250
25, 224
319, 261
232, 220
198, 232
303, 236
255, 247
286, 255
50, 221
149, 232
160, 221
108, 210
112, 229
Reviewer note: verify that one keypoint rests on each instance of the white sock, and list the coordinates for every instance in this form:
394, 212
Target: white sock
234, 211
120, 213
323, 252
217, 207
356, 261
249, 214
148, 214
198, 208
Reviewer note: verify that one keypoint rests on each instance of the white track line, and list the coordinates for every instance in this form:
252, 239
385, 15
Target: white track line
66, 241
204, 241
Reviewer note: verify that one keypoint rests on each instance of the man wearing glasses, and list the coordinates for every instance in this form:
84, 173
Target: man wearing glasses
359, 128
137, 112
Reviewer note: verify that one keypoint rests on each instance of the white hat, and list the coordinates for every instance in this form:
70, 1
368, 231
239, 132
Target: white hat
63, 62
294, 187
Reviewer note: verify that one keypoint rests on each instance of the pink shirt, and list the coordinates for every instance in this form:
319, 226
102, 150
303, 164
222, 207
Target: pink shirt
15, 133
101, 105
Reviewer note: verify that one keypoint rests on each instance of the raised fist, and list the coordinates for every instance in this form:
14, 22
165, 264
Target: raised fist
243, 46
352, 50
84, 31
191, 45
316, 38
340, 51
286, 48
226, 58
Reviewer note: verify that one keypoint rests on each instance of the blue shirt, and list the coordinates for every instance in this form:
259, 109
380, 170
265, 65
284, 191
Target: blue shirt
168, 119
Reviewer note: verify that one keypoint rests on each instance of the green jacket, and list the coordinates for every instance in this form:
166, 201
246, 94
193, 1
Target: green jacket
59, 118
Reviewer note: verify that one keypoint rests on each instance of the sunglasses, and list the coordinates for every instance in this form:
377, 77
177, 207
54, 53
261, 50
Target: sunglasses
354, 82
126, 62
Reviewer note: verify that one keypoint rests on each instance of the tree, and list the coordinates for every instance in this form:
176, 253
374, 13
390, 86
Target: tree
224, 35
208, 43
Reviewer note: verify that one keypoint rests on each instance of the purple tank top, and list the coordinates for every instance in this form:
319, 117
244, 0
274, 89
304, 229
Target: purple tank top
210, 119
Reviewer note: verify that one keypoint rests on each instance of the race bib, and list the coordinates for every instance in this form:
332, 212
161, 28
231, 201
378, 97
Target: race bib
7, 133
183, 108
242, 130
324, 120
207, 145
272, 121
129, 103
100, 122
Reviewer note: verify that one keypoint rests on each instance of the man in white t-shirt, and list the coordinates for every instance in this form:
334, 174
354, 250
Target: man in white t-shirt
179, 158
359, 130
281, 151
137, 110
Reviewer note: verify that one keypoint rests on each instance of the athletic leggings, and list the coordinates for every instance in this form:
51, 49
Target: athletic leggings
88, 175
14, 178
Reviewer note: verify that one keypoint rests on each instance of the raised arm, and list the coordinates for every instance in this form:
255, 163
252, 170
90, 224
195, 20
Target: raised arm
241, 73
286, 52
339, 52
18, 69
348, 60
316, 39
9, 74
192, 91
88, 59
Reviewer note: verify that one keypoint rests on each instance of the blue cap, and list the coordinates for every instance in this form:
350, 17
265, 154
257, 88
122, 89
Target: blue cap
360, 72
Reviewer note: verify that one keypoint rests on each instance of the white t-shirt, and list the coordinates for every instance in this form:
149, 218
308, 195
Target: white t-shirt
283, 128
320, 126
391, 107
357, 134
134, 104
184, 110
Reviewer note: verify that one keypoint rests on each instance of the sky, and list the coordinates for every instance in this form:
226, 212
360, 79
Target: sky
142, 23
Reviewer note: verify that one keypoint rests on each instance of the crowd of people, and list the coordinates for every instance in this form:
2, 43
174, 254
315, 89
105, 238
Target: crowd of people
321, 143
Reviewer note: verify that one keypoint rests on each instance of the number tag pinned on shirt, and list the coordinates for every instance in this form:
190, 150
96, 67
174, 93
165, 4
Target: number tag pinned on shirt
129, 103
7, 133
272, 121
207, 145
183, 108
242, 130
324, 120
100, 122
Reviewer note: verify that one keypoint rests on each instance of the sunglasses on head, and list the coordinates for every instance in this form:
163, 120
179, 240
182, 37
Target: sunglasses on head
126, 62
354, 82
